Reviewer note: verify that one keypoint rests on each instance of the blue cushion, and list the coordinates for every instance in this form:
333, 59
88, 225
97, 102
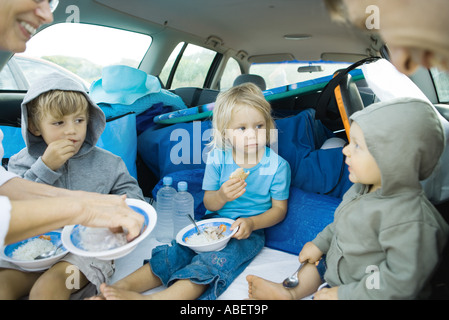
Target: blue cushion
308, 214
174, 148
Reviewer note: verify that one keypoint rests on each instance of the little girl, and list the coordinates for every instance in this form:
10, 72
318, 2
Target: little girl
242, 125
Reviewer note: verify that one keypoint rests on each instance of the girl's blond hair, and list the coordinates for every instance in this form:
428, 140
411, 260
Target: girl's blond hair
56, 103
246, 94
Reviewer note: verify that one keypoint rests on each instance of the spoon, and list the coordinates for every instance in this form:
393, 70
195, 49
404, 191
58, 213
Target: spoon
48, 253
196, 226
292, 281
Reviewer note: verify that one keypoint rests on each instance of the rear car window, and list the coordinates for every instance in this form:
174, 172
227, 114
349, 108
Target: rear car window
289, 72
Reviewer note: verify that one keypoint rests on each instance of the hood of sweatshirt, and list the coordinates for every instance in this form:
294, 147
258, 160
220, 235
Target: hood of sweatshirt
406, 138
56, 81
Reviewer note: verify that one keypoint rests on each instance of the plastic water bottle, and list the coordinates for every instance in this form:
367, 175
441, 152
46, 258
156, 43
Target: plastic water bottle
165, 210
183, 206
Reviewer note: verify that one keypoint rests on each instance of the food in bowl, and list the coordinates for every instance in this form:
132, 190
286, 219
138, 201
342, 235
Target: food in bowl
76, 242
188, 236
100, 239
30, 248
33, 248
209, 234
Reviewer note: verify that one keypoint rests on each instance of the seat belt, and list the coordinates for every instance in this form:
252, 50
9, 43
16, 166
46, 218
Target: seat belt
329, 90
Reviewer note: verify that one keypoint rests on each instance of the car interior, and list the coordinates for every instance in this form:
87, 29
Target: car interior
257, 39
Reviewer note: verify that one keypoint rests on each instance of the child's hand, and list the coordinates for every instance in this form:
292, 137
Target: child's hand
57, 153
246, 227
232, 189
310, 253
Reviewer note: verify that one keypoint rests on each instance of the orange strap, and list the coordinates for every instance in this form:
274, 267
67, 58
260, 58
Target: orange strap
341, 108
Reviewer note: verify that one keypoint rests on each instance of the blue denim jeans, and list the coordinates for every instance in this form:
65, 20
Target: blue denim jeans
217, 269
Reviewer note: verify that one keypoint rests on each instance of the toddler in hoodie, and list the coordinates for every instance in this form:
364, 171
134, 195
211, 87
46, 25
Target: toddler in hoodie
61, 126
386, 238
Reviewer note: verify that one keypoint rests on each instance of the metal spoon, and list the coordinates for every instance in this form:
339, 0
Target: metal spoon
196, 226
48, 254
292, 281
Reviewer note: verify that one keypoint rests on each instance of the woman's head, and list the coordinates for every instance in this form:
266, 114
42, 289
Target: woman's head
230, 103
19, 20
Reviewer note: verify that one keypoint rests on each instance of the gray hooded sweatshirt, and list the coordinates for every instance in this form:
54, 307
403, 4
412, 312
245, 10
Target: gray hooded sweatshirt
386, 244
91, 169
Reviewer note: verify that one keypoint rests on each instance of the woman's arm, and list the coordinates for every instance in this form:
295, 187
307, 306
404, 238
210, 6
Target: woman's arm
36, 216
21, 189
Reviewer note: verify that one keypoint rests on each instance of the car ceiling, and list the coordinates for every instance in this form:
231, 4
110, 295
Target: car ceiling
255, 27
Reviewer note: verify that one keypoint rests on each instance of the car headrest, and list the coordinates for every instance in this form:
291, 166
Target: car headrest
253, 78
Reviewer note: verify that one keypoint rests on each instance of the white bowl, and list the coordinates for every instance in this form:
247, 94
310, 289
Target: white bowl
72, 240
209, 246
34, 265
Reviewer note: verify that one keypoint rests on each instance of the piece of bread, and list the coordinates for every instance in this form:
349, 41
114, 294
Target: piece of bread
239, 174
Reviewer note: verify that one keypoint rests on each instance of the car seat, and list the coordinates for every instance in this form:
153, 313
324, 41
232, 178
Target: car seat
348, 100
253, 78
346, 94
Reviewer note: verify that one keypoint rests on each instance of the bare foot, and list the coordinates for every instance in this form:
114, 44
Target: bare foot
114, 293
259, 288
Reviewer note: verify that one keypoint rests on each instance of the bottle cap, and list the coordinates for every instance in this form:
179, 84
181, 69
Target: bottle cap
167, 181
182, 186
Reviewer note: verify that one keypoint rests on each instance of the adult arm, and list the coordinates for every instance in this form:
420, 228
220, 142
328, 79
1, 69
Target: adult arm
21, 189
36, 216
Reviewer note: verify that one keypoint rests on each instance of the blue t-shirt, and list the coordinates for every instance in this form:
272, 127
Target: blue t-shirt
268, 179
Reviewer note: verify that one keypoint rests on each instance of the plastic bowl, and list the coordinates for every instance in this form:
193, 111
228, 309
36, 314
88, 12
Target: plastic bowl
209, 246
72, 240
34, 265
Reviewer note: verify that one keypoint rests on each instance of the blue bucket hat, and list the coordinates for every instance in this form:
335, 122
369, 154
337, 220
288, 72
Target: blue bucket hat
121, 84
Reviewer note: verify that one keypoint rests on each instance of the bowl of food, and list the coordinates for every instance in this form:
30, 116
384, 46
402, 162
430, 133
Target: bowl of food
23, 253
102, 243
215, 235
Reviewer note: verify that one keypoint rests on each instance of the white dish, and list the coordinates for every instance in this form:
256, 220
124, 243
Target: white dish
34, 265
71, 234
209, 246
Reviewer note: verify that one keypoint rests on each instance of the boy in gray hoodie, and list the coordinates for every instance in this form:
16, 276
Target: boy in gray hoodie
61, 126
386, 238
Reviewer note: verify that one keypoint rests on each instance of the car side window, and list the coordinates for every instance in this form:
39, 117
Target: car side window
33, 70
84, 49
231, 71
441, 82
7, 80
187, 66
